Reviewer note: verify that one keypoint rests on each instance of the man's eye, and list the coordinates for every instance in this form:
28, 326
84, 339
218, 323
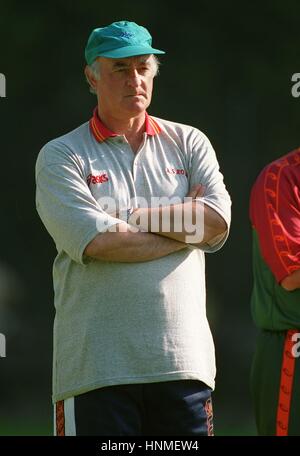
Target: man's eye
119, 70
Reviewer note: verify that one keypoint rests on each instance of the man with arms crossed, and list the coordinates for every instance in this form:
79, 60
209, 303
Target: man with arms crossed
133, 351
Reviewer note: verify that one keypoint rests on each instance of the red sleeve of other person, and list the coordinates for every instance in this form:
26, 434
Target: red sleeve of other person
275, 214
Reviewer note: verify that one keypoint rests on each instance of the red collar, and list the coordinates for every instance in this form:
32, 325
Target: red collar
101, 132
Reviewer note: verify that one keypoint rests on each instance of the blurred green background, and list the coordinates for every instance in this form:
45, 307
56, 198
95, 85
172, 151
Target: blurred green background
228, 72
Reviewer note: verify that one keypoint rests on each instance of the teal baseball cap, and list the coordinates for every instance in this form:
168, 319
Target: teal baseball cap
119, 40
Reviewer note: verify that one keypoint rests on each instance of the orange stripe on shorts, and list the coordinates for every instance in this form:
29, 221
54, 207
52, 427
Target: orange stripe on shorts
286, 385
60, 418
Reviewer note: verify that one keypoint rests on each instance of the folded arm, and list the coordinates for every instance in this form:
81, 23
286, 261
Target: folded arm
128, 246
192, 222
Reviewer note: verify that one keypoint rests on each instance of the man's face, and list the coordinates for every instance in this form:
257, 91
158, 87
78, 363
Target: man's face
125, 85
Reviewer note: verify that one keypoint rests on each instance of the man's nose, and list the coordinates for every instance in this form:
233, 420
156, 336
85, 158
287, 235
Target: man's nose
134, 78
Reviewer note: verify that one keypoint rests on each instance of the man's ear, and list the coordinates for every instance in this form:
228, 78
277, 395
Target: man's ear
90, 77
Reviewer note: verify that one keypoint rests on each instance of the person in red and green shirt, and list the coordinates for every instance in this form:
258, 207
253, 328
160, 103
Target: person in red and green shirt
275, 302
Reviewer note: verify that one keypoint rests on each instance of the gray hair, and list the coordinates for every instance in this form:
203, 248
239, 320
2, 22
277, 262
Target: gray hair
95, 69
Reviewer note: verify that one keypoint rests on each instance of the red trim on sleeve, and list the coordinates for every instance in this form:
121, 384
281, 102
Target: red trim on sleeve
275, 214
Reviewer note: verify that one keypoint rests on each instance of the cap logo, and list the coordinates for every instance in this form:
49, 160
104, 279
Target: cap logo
126, 34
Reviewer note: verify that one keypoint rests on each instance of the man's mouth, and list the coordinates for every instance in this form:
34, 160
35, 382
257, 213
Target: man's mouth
135, 95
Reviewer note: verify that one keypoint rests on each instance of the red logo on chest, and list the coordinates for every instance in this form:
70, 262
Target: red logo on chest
176, 171
97, 179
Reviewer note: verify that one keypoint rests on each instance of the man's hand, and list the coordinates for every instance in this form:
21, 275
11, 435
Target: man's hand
197, 191
192, 222
292, 281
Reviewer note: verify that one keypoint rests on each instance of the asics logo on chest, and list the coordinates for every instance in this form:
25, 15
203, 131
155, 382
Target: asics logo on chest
97, 179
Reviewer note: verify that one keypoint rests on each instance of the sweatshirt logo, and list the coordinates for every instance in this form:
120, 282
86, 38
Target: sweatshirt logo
176, 171
99, 179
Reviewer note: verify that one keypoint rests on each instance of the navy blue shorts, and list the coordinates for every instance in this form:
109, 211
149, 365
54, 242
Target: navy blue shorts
179, 407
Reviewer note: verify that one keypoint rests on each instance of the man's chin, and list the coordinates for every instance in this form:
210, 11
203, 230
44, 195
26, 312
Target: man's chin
136, 106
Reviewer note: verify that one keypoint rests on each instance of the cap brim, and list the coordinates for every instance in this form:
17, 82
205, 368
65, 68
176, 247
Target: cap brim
129, 51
